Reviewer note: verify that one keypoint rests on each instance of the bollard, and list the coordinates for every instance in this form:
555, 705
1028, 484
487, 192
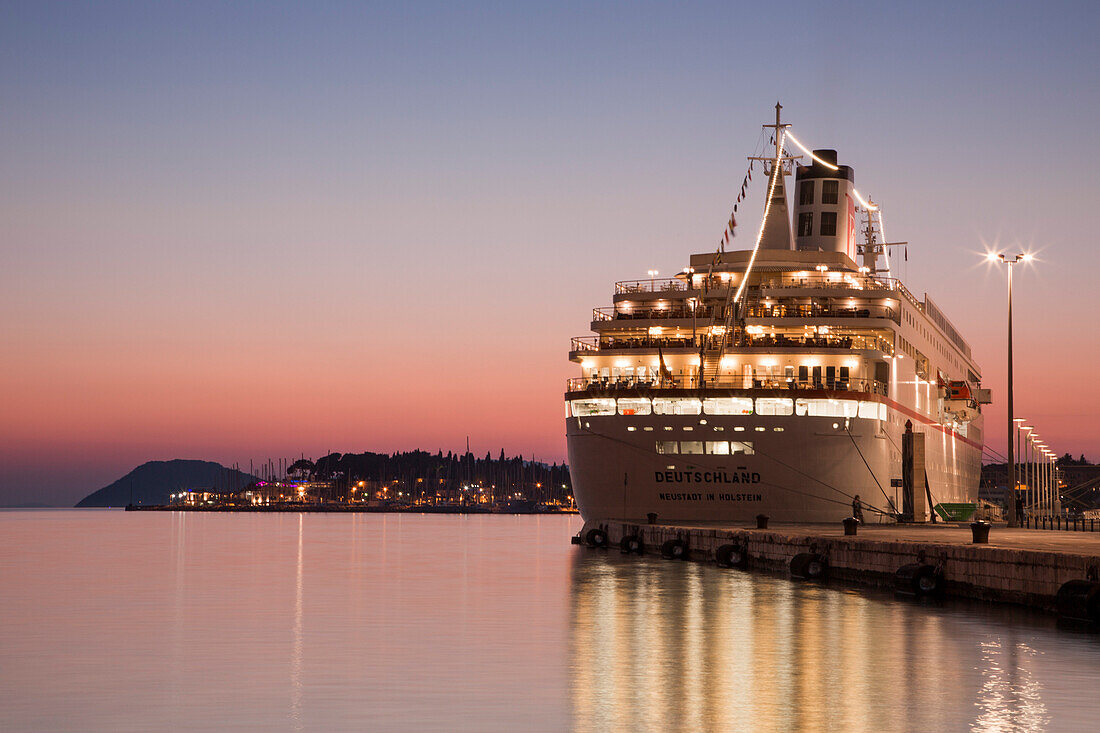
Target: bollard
850, 525
761, 521
980, 531
652, 517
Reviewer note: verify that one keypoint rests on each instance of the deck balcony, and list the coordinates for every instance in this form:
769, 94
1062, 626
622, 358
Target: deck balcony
736, 382
582, 346
660, 285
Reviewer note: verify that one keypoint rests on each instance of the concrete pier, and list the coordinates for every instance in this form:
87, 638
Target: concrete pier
1020, 566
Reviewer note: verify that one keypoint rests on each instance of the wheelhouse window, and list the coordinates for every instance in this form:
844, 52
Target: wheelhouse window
594, 406
826, 408
806, 193
829, 191
728, 406
828, 223
635, 406
806, 224
774, 406
676, 406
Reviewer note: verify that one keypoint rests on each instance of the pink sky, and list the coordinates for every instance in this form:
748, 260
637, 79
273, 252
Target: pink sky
229, 237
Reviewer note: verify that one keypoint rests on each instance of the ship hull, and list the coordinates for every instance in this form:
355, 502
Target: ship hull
798, 468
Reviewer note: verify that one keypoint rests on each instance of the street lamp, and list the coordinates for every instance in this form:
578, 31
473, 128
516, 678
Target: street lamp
1013, 520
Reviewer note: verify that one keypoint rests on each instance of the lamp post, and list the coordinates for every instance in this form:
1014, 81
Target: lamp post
1032, 472
1022, 455
1013, 520
1045, 488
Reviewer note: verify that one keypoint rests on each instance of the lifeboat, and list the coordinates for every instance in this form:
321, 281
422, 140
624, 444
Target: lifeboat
959, 401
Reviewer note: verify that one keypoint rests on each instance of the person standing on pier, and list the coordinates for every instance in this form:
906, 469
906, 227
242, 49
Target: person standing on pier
857, 509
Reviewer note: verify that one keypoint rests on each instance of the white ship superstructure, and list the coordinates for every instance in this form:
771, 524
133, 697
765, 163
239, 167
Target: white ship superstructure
778, 380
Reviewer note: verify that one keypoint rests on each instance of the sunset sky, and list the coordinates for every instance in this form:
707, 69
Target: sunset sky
260, 230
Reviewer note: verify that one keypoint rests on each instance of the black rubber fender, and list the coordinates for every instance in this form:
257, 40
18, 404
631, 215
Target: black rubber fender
596, 537
1079, 600
809, 566
632, 544
919, 579
674, 549
731, 556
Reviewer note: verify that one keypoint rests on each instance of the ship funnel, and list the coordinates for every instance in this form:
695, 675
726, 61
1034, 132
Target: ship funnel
825, 208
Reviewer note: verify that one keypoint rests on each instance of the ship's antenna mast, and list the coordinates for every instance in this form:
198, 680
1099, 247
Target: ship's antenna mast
767, 161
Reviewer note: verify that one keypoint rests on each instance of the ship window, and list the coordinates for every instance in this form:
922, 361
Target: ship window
635, 406
741, 446
774, 406
676, 406
667, 447
728, 406
806, 193
870, 410
806, 223
826, 408
718, 447
648, 428
828, 223
829, 191
631, 429
691, 446
595, 406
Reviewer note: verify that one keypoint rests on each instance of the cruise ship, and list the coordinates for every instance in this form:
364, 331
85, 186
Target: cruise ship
783, 380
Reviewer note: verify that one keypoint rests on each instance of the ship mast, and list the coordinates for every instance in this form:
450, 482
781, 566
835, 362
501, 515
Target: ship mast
777, 229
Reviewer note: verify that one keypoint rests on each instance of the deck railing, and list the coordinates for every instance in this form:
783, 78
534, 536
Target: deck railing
651, 313
760, 310
732, 381
861, 343
660, 285
757, 310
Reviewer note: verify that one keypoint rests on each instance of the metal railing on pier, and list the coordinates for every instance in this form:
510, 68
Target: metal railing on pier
1061, 523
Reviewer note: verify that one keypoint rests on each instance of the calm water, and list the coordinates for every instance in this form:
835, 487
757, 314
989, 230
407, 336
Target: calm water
148, 621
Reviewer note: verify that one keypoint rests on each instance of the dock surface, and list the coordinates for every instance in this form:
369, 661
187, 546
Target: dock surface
1022, 566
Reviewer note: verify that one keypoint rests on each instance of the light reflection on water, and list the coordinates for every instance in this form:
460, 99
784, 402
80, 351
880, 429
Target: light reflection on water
135, 622
658, 645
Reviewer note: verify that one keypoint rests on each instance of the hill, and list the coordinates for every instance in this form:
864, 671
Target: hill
152, 482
